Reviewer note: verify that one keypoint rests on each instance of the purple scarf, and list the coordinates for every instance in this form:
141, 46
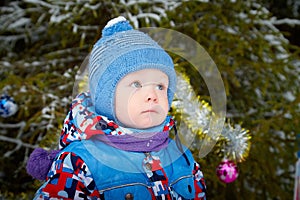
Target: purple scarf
141, 142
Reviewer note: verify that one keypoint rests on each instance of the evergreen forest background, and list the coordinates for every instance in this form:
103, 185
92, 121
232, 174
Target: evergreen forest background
255, 45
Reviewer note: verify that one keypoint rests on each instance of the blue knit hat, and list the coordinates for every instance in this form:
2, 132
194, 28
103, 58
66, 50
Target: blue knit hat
120, 51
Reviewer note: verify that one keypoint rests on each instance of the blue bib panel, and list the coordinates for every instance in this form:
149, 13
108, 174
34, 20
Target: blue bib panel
118, 173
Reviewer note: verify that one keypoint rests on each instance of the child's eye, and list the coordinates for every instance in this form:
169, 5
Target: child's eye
136, 84
160, 87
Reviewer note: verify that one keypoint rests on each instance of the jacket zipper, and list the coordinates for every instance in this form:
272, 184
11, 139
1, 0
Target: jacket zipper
142, 184
124, 185
182, 177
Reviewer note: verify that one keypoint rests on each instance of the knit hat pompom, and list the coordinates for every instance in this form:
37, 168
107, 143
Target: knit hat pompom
122, 50
115, 25
39, 163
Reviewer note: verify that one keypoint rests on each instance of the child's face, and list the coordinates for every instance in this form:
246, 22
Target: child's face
141, 99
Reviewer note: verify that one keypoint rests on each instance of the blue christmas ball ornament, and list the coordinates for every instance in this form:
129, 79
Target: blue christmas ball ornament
8, 106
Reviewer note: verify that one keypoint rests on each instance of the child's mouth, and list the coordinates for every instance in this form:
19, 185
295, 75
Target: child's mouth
149, 111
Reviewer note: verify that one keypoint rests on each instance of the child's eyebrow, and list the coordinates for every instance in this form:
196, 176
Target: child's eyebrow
164, 79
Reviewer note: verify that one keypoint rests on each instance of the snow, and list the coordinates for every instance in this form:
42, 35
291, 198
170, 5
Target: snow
230, 30
251, 111
75, 28
286, 21
39, 2
149, 15
288, 116
59, 18
67, 74
258, 93
280, 134
93, 7
289, 96
281, 77
23, 89
282, 56
6, 64
296, 8
19, 143
272, 39
21, 22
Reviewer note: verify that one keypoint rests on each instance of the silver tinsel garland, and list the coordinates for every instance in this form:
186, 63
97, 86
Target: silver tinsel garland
195, 115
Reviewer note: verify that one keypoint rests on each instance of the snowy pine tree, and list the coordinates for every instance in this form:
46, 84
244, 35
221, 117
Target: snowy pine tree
43, 43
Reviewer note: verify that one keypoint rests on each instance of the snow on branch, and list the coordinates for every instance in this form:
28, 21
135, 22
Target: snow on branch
42, 3
18, 125
19, 143
286, 21
16, 141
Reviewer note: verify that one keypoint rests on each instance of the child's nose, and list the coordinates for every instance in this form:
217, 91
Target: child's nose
151, 95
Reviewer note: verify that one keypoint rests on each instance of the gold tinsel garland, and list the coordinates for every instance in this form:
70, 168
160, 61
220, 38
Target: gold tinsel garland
194, 116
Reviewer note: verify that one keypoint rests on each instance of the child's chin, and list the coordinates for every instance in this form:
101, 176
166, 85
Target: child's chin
147, 125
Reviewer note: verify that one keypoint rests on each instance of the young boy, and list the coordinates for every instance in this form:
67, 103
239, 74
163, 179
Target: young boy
115, 142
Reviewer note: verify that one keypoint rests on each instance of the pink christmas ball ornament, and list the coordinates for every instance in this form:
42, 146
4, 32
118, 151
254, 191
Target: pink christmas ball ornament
227, 171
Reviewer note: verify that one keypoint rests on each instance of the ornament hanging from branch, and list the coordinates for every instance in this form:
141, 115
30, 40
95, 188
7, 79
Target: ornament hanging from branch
8, 106
227, 171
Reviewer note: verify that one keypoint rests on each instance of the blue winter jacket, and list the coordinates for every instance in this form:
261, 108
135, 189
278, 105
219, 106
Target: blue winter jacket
118, 173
